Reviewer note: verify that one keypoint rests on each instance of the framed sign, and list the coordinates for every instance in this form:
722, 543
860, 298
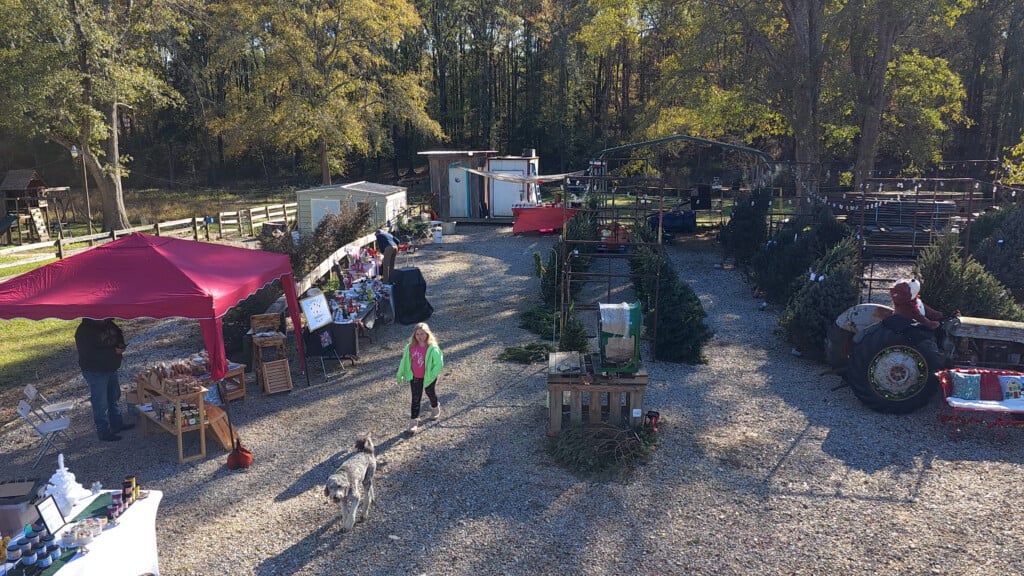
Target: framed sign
318, 313
50, 514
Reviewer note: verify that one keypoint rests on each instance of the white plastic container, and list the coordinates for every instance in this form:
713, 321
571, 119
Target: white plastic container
437, 234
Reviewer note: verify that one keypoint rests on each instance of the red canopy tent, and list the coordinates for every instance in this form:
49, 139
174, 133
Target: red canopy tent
142, 276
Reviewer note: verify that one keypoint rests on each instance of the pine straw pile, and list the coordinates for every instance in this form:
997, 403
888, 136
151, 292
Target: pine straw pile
602, 451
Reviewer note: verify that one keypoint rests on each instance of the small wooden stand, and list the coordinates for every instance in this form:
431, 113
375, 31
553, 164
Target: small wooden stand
277, 377
178, 426
572, 373
234, 383
260, 346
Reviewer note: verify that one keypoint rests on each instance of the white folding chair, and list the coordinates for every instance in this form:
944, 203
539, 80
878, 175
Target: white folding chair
47, 430
43, 407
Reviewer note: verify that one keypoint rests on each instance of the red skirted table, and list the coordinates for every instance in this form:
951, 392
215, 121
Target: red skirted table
540, 218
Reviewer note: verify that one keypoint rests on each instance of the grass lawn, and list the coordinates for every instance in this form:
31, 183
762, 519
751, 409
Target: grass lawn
153, 205
22, 268
33, 349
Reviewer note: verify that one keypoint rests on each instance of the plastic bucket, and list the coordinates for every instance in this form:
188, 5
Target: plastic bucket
437, 235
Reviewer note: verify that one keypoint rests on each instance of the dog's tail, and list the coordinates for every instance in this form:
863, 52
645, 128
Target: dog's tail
365, 444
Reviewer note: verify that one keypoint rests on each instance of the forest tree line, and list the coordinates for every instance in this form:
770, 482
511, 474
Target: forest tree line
167, 93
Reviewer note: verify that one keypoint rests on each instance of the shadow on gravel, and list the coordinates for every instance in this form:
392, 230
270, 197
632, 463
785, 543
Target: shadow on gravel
301, 553
317, 475
887, 457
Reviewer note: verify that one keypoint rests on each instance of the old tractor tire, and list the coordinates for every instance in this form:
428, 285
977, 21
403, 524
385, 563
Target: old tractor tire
890, 373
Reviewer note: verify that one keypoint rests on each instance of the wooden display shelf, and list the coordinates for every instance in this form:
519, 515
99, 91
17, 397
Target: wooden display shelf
572, 374
177, 426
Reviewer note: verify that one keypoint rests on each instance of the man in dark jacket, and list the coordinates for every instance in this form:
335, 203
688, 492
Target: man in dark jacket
100, 345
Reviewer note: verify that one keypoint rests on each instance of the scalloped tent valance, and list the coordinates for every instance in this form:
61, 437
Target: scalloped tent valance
143, 276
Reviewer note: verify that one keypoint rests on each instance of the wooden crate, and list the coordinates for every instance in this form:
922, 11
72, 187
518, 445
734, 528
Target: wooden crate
576, 395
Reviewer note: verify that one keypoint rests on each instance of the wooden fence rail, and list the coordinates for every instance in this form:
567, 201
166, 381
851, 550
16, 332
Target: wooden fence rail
25, 248
339, 256
249, 221
194, 227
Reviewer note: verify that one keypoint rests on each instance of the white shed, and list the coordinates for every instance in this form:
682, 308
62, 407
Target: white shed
314, 203
504, 195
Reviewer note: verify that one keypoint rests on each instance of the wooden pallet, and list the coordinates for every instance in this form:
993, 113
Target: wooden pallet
573, 385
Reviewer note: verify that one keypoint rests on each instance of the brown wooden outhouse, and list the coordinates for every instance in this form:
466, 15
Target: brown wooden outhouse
457, 193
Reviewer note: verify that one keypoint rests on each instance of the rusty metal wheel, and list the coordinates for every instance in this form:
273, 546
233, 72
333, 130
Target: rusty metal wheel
890, 373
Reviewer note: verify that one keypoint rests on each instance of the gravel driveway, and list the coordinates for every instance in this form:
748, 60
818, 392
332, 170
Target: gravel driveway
763, 467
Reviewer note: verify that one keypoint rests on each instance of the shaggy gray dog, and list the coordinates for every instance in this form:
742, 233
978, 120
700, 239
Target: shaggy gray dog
347, 485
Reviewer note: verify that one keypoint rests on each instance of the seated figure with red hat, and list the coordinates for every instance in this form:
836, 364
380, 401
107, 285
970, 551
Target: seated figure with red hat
906, 302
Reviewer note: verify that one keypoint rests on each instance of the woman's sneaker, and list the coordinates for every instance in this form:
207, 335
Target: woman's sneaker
414, 425
435, 412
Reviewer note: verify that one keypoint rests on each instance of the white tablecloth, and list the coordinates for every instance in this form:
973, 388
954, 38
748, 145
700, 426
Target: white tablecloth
128, 549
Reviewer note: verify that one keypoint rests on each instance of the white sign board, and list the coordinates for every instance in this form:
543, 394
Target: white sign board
50, 514
317, 311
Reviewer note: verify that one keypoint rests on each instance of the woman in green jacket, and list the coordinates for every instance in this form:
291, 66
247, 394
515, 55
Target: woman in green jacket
421, 364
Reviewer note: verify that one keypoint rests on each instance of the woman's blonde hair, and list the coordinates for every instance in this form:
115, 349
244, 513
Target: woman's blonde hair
430, 335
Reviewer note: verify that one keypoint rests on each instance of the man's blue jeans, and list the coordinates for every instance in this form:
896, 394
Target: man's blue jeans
105, 394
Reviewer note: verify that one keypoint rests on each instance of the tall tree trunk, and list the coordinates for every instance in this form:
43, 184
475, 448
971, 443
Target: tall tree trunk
486, 115
440, 67
171, 173
625, 121
325, 165
977, 145
115, 216
805, 18
397, 155
599, 112
563, 87
1010, 94
873, 95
